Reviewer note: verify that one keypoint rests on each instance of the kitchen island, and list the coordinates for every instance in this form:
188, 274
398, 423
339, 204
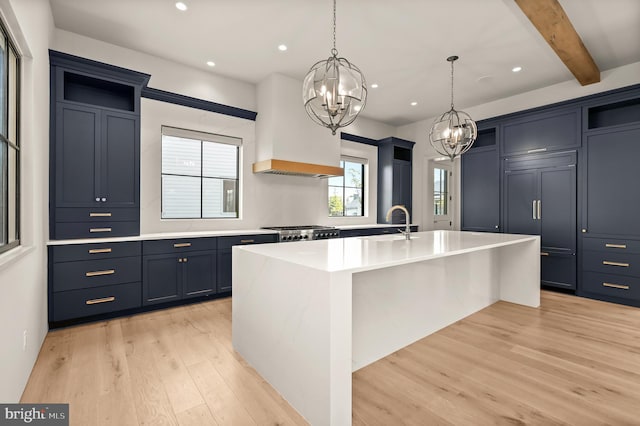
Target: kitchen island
306, 315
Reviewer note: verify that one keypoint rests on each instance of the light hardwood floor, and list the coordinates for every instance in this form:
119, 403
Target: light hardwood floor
573, 361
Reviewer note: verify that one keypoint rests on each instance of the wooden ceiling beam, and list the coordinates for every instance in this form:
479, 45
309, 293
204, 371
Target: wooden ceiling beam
552, 22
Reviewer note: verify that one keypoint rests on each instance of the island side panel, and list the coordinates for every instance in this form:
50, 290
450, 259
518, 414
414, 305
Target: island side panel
396, 306
520, 273
293, 325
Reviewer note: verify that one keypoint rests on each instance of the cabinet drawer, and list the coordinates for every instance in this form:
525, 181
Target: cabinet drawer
95, 273
611, 245
95, 301
540, 132
99, 214
611, 285
558, 269
66, 230
238, 240
178, 246
611, 263
95, 251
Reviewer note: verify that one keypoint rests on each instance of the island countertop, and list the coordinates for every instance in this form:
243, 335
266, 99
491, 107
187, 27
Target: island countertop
356, 254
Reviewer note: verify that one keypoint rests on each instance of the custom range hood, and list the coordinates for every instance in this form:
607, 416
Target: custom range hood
287, 141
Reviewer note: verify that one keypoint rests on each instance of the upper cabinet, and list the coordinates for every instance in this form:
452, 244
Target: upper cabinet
549, 130
95, 148
394, 177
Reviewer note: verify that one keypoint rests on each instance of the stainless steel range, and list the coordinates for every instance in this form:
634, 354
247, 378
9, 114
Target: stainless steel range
305, 232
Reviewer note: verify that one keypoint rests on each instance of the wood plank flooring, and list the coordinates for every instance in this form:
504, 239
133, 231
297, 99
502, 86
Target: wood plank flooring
573, 361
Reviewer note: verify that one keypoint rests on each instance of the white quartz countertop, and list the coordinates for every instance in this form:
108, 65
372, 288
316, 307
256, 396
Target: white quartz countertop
366, 253
163, 236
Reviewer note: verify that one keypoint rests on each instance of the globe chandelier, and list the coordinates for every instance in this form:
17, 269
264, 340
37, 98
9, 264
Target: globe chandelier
454, 132
334, 91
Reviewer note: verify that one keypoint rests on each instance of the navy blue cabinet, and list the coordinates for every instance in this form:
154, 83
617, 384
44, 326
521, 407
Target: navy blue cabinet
95, 149
549, 130
394, 177
178, 269
86, 280
480, 173
225, 277
540, 199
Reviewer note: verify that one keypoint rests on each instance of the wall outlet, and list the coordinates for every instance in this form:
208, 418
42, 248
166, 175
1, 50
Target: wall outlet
24, 341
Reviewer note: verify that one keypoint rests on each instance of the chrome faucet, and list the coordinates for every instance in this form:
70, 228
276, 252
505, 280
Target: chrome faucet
407, 231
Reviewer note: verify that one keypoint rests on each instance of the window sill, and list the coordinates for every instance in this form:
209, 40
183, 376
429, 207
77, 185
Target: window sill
14, 255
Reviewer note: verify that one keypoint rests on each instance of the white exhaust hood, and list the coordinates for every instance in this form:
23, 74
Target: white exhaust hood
287, 141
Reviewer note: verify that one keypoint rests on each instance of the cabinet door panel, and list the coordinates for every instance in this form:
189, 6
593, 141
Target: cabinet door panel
120, 162
77, 139
161, 279
224, 270
558, 270
481, 191
558, 208
401, 189
542, 132
521, 191
199, 274
612, 204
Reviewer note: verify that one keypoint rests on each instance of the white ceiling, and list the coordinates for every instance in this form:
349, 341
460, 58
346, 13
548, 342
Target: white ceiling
402, 45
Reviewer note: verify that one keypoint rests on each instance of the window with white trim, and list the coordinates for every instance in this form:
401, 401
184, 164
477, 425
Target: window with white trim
346, 193
200, 177
9, 143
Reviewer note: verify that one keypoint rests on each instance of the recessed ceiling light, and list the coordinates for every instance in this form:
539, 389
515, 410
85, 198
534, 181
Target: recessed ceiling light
414, 103
282, 47
516, 69
211, 63
181, 6
374, 86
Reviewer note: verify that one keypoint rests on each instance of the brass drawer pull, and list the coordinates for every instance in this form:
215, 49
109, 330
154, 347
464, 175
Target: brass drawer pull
100, 273
179, 245
103, 300
99, 214
103, 250
606, 262
247, 241
544, 253
621, 246
100, 230
620, 286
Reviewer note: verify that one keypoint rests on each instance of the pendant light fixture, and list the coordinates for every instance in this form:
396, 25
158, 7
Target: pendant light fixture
334, 91
454, 132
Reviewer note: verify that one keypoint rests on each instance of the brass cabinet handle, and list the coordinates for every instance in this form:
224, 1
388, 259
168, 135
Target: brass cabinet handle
99, 214
100, 273
247, 241
544, 253
606, 262
620, 286
102, 250
620, 246
182, 260
103, 300
539, 210
533, 210
531, 151
179, 245
185, 260
100, 230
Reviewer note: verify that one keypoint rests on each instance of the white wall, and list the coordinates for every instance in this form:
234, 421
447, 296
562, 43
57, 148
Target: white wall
23, 278
419, 131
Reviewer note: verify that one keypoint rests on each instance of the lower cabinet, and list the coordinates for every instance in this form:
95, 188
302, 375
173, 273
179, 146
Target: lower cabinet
364, 232
93, 279
176, 269
225, 277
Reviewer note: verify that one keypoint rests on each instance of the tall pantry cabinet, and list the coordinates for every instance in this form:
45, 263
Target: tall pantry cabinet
95, 148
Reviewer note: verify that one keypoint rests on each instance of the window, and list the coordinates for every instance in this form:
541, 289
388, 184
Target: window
440, 191
9, 143
199, 175
346, 193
